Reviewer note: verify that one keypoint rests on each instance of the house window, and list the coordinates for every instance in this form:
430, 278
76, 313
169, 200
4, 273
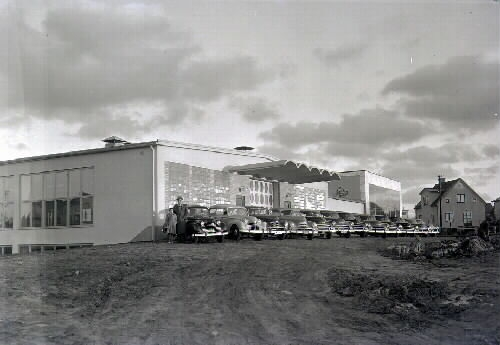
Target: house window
6, 202
448, 217
467, 218
460, 198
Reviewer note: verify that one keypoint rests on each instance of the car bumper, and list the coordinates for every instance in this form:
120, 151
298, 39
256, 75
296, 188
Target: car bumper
211, 234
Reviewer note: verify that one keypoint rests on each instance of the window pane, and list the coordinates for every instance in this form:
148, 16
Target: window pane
8, 216
3, 182
36, 220
10, 187
26, 214
50, 213
88, 210
87, 181
49, 183
74, 183
25, 187
36, 187
61, 185
74, 211
61, 212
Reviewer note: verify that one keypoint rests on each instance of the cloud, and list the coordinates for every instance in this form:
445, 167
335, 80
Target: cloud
362, 132
491, 151
463, 93
335, 57
85, 62
255, 109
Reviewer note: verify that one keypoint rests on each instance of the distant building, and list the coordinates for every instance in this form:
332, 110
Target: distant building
378, 195
496, 211
461, 205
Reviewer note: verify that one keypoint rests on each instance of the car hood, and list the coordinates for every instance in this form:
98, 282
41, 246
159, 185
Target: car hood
316, 219
206, 219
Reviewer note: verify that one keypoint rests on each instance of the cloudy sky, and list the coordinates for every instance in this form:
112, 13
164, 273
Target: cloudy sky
406, 89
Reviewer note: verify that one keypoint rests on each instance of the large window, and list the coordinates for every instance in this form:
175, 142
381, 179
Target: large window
448, 217
467, 217
460, 198
7, 202
59, 198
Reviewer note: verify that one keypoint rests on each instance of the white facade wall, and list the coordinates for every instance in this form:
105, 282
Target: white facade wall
123, 199
345, 206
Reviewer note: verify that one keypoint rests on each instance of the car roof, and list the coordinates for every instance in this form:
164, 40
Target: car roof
225, 206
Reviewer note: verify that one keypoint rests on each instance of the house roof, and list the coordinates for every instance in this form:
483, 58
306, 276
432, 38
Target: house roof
447, 185
497, 199
418, 205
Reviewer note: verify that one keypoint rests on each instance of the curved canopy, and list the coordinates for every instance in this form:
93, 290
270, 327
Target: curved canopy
285, 171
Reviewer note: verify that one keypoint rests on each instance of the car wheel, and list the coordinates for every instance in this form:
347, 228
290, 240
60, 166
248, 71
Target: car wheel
281, 237
310, 237
347, 235
196, 239
220, 239
329, 235
258, 237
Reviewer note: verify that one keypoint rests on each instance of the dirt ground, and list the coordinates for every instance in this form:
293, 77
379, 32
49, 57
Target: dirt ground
338, 291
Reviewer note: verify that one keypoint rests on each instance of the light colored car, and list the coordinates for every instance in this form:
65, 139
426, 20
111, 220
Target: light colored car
298, 226
238, 222
275, 227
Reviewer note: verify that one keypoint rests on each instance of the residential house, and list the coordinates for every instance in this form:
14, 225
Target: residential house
461, 205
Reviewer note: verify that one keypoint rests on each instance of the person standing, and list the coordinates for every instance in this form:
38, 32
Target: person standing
181, 211
170, 225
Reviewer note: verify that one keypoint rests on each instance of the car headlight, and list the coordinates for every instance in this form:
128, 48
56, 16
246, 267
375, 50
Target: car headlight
400, 226
245, 221
202, 224
218, 223
286, 225
258, 222
386, 227
315, 226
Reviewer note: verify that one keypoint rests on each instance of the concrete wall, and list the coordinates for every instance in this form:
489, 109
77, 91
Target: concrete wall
348, 187
345, 206
123, 199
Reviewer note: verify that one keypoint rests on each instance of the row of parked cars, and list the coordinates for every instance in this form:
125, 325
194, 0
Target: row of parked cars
235, 222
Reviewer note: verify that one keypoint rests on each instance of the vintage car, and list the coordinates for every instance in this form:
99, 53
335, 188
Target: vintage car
380, 227
355, 225
423, 229
324, 227
297, 223
238, 222
404, 227
275, 227
200, 225
331, 216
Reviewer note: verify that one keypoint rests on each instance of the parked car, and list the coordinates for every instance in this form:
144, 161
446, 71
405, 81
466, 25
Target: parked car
275, 227
297, 222
377, 227
405, 227
238, 222
331, 216
359, 225
201, 225
391, 229
324, 227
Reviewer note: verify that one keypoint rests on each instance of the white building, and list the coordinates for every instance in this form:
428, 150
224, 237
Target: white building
119, 193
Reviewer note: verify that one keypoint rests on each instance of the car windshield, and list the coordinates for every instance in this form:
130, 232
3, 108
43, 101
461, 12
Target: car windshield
217, 211
237, 211
292, 213
258, 211
198, 211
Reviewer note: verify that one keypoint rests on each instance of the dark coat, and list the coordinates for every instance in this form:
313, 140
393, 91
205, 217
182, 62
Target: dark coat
181, 212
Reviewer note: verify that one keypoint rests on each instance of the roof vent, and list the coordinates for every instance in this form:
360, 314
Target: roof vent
114, 141
244, 148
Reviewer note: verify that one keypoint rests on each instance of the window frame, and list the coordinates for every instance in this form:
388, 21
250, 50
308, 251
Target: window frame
54, 198
6, 202
467, 212
460, 198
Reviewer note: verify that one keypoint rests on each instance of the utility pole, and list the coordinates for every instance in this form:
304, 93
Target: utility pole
440, 213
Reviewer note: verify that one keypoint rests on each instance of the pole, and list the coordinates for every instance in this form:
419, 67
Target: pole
440, 213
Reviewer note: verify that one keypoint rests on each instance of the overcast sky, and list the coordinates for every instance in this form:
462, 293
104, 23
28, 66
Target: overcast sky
406, 89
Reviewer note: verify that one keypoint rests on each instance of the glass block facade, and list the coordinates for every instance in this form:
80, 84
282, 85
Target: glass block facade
196, 185
261, 193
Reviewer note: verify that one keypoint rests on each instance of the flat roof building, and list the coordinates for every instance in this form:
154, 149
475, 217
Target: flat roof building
119, 193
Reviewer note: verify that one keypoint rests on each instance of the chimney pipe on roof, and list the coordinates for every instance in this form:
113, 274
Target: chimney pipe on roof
114, 141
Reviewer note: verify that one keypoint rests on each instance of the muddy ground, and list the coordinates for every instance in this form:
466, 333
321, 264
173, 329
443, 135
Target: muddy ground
338, 291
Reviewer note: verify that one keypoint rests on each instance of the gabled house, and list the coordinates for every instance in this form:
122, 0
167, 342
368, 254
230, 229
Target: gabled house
496, 207
461, 205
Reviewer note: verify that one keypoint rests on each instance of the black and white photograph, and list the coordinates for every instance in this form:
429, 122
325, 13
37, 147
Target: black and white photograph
254, 172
